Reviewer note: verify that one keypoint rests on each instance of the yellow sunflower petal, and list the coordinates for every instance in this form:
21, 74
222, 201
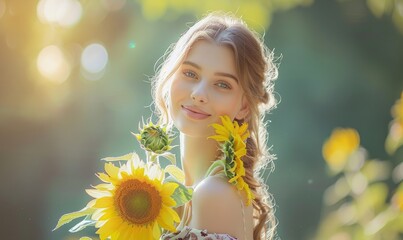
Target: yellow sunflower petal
111, 170
167, 224
135, 232
91, 203
219, 138
169, 202
169, 188
245, 135
97, 193
226, 121
103, 177
104, 186
240, 170
145, 233
109, 227
99, 224
125, 175
103, 202
243, 128
107, 214
173, 214
240, 152
233, 179
98, 213
124, 231
220, 129
249, 195
236, 127
156, 231
240, 184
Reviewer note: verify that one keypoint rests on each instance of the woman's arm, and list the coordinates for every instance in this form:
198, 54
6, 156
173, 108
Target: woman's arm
216, 206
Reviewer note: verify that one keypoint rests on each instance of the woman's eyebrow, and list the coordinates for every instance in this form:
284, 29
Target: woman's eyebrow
217, 73
227, 75
192, 64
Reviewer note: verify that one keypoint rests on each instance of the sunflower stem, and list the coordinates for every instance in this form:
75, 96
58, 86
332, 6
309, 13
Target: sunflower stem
153, 157
148, 156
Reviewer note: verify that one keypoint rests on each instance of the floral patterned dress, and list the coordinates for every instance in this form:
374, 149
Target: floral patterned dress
188, 233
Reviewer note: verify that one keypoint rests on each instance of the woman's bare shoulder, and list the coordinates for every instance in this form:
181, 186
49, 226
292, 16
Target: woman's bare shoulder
217, 207
216, 187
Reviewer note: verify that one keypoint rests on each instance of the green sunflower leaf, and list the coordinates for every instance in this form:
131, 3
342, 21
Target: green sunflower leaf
214, 165
176, 173
83, 224
170, 156
68, 217
182, 194
121, 158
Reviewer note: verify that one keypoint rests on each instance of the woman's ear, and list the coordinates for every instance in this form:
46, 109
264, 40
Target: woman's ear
244, 111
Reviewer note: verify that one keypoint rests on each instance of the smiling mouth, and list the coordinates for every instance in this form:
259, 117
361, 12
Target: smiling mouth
194, 113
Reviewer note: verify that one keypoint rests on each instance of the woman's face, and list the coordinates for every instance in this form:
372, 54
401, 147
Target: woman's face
205, 87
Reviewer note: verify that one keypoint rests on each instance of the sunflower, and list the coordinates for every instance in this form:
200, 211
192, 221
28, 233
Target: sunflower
232, 138
133, 202
342, 143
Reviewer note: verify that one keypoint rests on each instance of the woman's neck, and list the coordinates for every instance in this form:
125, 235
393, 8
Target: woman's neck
197, 154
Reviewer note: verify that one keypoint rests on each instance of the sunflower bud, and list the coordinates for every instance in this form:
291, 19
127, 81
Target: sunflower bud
154, 138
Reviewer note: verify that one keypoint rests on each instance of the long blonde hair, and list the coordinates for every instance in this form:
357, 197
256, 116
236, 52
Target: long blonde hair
257, 70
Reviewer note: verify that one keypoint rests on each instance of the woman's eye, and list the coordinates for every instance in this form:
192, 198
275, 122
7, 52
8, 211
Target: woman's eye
224, 85
190, 74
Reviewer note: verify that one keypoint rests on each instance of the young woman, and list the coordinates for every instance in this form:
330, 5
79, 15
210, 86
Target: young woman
219, 68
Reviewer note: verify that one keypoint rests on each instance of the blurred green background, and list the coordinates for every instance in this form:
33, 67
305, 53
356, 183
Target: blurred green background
74, 81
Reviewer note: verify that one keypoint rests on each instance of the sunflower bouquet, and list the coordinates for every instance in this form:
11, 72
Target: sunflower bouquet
135, 199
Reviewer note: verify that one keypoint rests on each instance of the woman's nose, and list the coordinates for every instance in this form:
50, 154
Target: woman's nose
199, 93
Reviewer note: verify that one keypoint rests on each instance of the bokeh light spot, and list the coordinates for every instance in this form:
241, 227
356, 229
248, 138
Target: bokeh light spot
65, 13
52, 64
132, 44
94, 58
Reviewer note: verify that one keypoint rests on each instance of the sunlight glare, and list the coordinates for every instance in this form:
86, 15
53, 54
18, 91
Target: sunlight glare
52, 64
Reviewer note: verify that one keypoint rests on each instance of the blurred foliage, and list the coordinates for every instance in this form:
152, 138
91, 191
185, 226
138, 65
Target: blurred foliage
366, 202
395, 137
256, 13
392, 8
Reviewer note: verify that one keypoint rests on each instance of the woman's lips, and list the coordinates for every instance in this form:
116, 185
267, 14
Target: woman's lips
195, 113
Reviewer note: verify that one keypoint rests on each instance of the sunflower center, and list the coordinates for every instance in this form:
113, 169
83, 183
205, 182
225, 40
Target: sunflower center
138, 202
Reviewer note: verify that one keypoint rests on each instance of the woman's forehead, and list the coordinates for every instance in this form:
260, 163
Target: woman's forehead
211, 56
